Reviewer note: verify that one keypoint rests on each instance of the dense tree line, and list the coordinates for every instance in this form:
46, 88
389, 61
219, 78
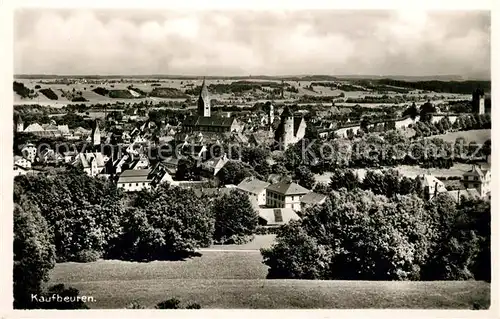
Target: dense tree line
49, 93
390, 148
357, 235
69, 216
23, 91
460, 87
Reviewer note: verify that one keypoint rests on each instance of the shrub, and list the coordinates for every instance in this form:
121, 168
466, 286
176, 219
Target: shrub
101, 91
172, 303
135, 305
87, 255
79, 99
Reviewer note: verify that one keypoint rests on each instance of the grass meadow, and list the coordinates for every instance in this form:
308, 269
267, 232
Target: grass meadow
236, 279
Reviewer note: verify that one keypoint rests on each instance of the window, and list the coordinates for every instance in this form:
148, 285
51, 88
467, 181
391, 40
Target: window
136, 184
476, 178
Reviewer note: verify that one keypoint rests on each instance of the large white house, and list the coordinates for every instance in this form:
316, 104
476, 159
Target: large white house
285, 195
134, 180
255, 189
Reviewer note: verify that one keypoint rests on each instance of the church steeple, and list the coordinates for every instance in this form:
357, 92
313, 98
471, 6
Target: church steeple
96, 134
204, 101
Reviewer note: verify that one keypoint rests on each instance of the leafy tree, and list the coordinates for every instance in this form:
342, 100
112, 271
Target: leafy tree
187, 170
344, 178
296, 255
34, 253
83, 213
257, 158
304, 177
426, 111
235, 218
457, 241
172, 225
355, 235
321, 188
233, 173
278, 169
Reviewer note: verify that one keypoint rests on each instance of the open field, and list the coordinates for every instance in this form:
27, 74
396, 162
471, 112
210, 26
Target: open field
478, 136
236, 280
183, 84
457, 169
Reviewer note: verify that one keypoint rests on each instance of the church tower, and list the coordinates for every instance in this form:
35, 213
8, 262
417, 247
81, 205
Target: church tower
204, 101
287, 135
96, 134
271, 114
478, 105
19, 124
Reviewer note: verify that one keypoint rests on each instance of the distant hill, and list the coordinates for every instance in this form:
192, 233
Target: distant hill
262, 77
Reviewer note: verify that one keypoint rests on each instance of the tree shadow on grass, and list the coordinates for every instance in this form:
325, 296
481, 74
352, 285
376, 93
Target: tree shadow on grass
148, 258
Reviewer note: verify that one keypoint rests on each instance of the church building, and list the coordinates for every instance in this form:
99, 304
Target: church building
204, 121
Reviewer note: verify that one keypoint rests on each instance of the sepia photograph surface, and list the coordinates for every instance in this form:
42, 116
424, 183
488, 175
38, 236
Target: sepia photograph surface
251, 159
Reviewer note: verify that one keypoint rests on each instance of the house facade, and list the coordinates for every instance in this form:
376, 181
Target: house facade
285, 195
479, 179
255, 189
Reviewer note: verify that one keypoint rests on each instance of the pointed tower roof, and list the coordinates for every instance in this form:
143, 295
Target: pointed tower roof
96, 127
286, 112
19, 120
204, 90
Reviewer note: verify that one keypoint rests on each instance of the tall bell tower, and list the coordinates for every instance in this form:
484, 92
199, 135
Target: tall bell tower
204, 101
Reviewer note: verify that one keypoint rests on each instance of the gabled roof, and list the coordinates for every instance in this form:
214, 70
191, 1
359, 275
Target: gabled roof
85, 159
430, 181
135, 176
210, 191
312, 198
212, 163
476, 171
286, 188
253, 185
49, 127
213, 121
63, 129
34, 127
277, 216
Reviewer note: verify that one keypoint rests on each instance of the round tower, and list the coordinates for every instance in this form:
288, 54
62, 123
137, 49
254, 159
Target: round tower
287, 120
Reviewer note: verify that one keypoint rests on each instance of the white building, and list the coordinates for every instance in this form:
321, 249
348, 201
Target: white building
431, 185
285, 195
92, 163
134, 180
479, 179
255, 188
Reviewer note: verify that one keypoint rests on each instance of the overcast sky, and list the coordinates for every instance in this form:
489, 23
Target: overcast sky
251, 42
